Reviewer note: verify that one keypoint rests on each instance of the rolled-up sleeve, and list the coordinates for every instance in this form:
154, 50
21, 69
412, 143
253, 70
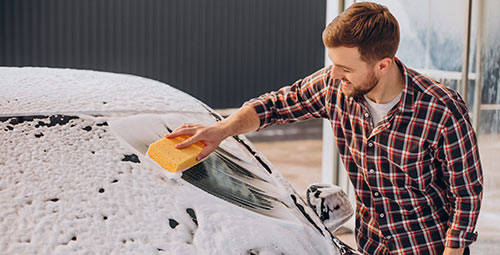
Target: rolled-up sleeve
303, 100
463, 175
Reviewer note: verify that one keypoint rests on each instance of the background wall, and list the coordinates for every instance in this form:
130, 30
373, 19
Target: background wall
220, 51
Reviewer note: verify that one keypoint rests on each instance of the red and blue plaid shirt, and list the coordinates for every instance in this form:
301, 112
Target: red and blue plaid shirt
417, 174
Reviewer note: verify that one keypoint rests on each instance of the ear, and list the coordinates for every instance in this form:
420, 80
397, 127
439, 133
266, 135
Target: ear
383, 65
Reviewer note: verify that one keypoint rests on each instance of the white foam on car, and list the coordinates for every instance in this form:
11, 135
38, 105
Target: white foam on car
76, 189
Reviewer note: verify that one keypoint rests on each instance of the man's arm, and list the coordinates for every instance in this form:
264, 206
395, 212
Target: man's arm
303, 100
458, 151
242, 121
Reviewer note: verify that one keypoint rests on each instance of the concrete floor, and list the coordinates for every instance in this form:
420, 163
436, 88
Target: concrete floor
282, 144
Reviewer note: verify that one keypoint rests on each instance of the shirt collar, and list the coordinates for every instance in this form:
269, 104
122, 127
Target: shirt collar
407, 98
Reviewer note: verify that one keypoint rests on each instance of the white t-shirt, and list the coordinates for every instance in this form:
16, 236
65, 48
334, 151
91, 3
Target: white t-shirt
378, 111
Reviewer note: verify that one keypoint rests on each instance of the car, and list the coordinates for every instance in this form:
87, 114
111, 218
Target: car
75, 177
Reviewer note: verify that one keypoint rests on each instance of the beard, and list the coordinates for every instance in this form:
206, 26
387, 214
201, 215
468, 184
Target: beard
351, 90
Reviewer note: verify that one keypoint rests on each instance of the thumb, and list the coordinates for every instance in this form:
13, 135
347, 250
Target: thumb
206, 151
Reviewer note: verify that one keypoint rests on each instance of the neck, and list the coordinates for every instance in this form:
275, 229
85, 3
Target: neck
388, 87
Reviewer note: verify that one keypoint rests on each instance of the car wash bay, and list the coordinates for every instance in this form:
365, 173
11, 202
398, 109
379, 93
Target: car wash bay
224, 52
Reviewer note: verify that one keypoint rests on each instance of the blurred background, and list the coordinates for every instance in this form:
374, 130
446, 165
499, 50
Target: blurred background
222, 52
225, 52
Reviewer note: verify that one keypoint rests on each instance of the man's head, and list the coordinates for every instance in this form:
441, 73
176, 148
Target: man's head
362, 42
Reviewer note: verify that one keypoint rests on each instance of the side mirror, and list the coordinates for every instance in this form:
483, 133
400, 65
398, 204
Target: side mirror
330, 203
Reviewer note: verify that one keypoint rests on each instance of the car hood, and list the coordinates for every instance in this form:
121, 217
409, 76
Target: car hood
71, 183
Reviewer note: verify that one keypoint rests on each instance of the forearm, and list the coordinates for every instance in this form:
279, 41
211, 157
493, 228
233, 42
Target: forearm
242, 121
463, 177
465, 200
302, 100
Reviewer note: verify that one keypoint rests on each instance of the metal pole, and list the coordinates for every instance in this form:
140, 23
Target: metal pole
330, 156
427, 61
341, 6
479, 77
465, 58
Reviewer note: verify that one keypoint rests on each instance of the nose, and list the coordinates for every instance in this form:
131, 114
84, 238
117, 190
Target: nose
337, 72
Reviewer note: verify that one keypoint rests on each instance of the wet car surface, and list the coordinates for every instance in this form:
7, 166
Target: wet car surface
75, 178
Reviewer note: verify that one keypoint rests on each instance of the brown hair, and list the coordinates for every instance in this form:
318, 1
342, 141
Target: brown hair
368, 26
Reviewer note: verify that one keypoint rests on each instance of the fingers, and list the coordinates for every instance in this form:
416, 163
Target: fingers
211, 136
184, 129
187, 142
180, 132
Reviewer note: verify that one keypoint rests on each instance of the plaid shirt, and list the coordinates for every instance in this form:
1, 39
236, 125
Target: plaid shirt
417, 174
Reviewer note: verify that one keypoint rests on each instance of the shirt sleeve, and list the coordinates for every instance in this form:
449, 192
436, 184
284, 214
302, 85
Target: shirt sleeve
303, 100
463, 175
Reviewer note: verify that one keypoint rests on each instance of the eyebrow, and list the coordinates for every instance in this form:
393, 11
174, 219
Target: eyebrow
346, 67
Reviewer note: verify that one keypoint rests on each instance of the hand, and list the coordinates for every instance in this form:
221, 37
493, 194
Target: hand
453, 251
242, 121
211, 136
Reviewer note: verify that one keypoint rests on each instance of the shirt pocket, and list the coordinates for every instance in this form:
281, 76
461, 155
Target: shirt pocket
415, 169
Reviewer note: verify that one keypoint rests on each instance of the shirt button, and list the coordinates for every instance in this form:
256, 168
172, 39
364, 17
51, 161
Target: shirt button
372, 171
382, 215
370, 144
367, 115
388, 237
376, 194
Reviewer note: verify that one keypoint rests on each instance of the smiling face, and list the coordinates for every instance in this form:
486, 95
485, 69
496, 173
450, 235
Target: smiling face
357, 76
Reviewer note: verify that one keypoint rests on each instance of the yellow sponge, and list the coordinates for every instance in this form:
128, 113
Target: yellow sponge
171, 158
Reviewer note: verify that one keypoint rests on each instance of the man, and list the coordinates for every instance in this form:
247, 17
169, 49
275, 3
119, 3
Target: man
406, 141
